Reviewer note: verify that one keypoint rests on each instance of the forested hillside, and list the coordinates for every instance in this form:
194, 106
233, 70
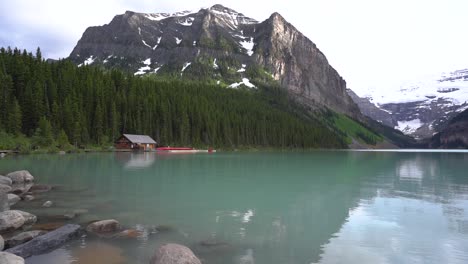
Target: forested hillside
59, 104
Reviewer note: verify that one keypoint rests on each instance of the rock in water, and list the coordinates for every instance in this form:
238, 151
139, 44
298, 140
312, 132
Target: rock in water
20, 176
23, 238
174, 254
28, 198
40, 188
99, 252
10, 220
8, 258
47, 204
5, 188
20, 188
13, 199
29, 219
104, 226
4, 206
5, 180
47, 242
2, 243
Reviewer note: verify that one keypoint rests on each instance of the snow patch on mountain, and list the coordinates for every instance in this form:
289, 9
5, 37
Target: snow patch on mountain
248, 45
157, 43
146, 44
88, 61
178, 40
245, 82
161, 16
452, 86
187, 21
410, 126
242, 69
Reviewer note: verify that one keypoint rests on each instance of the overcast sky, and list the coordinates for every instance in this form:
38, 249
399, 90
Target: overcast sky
369, 42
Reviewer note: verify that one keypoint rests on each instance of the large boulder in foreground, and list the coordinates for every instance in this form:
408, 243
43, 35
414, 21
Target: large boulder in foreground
47, 242
23, 238
8, 258
20, 176
5, 180
174, 254
10, 220
104, 226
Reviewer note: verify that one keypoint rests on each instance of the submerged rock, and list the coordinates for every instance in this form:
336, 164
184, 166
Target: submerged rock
47, 242
99, 252
5, 188
20, 176
13, 199
129, 233
48, 226
47, 204
40, 188
29, 219
104, 226
23, 238
174, 254
5, 180
28, 198
8, 258
10, 220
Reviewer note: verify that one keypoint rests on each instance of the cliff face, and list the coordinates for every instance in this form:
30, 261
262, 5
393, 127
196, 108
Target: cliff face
371, 110
454, 135
221, 44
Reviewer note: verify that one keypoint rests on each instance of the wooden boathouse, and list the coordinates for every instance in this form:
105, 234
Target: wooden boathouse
135, 142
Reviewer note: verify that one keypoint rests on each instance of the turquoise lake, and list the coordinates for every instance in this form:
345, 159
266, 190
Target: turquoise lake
262, 208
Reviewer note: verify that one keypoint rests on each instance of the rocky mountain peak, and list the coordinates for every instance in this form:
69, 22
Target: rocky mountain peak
217, 43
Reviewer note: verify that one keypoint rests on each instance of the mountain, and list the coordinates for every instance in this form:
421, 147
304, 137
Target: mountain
371, 110
220, 45
454, 135
420, 108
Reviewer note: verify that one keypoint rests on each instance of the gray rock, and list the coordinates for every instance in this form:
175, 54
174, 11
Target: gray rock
62, 152
13, 199
29, 219
28, 198
104, 226
174, 254
10, 220
20, 176
5, 180
2, 243
48, 204
5, 188
40, 188
4, 206
23, 238
47, 242
20, 188
8, 258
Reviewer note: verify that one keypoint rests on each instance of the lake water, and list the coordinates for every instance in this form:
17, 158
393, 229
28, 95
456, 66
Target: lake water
262, 208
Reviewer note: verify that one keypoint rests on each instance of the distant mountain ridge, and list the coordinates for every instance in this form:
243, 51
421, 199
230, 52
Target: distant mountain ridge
218, 44
421, 108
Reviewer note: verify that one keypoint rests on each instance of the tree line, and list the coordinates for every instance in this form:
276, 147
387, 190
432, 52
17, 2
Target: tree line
60, 104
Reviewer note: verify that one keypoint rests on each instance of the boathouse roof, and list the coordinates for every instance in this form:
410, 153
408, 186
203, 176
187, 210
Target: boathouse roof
140, 139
